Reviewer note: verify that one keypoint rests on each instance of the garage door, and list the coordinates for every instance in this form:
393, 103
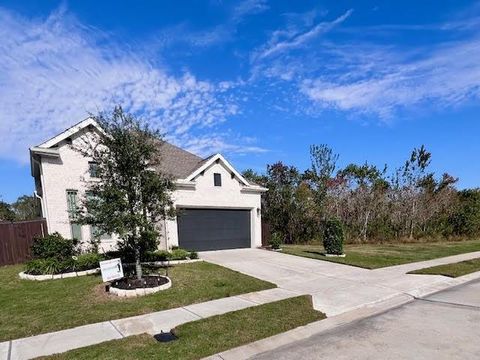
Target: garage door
213, 229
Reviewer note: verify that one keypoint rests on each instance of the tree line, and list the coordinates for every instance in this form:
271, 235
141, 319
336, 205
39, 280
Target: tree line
374, 204
24, 208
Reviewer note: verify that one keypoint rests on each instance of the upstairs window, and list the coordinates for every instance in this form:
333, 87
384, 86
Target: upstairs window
93, 169
217, 179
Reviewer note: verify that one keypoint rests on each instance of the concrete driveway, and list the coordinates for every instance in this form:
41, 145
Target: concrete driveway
443, 326
335, 288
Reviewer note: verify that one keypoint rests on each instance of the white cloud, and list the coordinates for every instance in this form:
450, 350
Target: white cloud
445, 76
54, 71
291, 38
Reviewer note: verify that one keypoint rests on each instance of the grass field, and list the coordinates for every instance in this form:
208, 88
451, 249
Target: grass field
451, 270
373, 256
209, 336
32, 307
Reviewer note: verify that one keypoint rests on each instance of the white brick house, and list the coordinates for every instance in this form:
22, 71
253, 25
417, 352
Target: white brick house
217, 207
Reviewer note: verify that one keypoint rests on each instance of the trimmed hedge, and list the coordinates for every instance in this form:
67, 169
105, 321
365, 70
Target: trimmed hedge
333, 237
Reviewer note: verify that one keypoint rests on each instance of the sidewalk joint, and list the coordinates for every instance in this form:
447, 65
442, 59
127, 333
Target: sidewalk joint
9, 353
191, 312
111, 323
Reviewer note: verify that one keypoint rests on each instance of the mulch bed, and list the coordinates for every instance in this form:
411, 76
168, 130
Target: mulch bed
149, 281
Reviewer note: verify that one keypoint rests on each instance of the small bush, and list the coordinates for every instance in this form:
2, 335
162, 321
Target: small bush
193, 255
54, 246
87, 261
159, 255
275, 241
43, 267
179, 254
333, 237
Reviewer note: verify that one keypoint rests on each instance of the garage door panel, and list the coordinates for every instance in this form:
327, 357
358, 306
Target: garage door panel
213, 229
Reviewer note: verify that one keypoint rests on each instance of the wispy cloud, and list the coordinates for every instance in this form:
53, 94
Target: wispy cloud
284, 40
54, 71
445, 76
222, 33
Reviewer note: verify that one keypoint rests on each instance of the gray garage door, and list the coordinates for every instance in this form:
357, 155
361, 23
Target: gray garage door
213, 229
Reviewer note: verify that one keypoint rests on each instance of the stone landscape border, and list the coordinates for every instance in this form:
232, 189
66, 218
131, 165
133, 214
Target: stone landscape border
26, 276
140, 292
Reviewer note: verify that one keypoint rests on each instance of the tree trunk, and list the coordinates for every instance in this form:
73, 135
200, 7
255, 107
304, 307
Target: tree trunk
138, 265
365, 225
412, 220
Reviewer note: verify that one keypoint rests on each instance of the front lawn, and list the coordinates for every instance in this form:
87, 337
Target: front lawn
209, 336
372, 256
31, 307
451, 270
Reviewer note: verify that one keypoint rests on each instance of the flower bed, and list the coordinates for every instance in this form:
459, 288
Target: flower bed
151, 284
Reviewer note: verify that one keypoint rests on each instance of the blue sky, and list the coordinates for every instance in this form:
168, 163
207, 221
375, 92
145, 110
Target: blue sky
258, 81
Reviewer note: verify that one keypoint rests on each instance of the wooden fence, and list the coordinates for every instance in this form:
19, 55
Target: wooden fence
16, 239
266, 233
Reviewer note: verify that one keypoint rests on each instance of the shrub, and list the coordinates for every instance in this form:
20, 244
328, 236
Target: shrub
43, 267
193, 255
179, 254
159, 255
333, 237
275, 241
53, 246
87, 261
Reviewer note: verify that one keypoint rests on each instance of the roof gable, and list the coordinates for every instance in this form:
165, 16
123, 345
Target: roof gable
70, 132
212, 160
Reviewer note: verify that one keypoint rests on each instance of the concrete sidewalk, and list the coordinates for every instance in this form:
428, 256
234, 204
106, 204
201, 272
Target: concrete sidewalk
153, 323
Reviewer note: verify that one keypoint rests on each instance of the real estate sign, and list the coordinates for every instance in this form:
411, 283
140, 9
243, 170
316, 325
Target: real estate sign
111, 269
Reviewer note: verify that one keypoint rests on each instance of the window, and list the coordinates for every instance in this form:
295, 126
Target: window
95, 233
217, 179
72, 209
93, 169
72, 204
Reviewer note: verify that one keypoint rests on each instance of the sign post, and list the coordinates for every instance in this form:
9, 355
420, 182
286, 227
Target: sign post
111, 269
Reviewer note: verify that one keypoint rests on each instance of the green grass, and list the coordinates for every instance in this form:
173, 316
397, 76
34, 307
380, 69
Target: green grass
451, 270
373, 256
31, 307
209, 336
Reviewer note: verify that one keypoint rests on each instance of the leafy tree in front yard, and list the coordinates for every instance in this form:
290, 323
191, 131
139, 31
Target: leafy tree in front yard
130, 195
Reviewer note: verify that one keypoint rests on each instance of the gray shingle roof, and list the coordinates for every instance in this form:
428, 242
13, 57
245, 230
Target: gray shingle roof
177, 162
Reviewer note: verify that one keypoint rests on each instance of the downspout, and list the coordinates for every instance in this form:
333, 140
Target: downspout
42, 200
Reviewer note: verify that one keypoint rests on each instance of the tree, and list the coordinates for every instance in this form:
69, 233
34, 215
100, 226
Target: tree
413, 174
323, 164
367, 185
131, 194
6, 212
26, 208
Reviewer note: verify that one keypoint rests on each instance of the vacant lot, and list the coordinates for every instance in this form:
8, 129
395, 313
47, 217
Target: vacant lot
208, 336
30, 307
451, 270
372, 256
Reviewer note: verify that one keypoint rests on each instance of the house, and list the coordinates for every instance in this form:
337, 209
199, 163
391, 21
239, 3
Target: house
217, 207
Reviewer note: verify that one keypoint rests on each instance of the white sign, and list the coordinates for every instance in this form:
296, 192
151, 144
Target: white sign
111, 269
